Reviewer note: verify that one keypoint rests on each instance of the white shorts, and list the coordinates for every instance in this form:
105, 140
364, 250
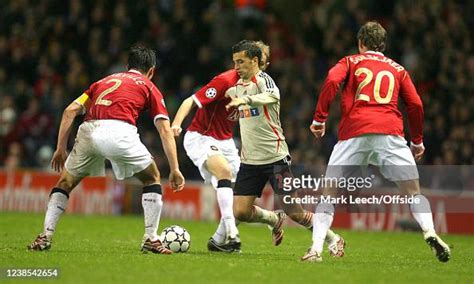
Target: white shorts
113, 140
389, 153
199, 147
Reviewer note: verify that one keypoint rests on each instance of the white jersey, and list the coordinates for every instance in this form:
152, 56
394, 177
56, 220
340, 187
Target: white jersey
262, 136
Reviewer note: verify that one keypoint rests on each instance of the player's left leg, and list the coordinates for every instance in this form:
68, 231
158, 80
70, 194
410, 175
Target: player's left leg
251, 180
120, 143
397, 164
246, 211
82, 161
297, 213
422, 213
322, 221
58, 201
220, 168
152, 204
346, 152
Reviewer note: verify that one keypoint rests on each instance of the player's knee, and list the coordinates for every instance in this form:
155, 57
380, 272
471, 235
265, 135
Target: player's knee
224, 173
220, 171
65, 185
410, 187
154, 179
242, 214
150, 175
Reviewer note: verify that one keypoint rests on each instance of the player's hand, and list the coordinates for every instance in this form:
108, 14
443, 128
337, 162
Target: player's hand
58, 159
235, 102
417, 151
318, 130
176, 180
176, 130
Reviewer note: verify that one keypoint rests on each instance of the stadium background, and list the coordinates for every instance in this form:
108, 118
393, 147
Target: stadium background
50, 51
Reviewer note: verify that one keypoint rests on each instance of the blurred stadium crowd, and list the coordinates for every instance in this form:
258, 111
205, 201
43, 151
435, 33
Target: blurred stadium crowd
51, 50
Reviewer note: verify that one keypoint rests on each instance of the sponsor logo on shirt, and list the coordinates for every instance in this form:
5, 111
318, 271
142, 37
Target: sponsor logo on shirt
234, 115
249, 112
211, 93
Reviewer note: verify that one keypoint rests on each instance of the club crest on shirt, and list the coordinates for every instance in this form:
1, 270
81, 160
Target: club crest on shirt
211, 93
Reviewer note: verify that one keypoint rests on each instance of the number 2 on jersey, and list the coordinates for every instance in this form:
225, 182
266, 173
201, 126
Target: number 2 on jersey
378, 81
100, 100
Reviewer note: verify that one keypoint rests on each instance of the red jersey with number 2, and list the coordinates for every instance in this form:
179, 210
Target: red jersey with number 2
212, 119
122, 96
373, 84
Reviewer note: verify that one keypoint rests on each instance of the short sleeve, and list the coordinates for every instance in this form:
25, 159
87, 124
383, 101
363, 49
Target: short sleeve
213, 91
90, 91
157, 105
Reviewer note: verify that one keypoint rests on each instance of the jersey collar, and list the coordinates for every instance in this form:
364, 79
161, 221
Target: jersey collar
374, 52
134, 71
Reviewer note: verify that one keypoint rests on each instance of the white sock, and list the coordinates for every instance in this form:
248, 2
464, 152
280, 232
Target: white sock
422, 213
264, 216
330, 236
56, 206
219, 235
152, 205
225, 199
321, 223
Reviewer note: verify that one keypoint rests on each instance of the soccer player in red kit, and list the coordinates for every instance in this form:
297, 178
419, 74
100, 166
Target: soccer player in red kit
371, 130
109, 131
209, 144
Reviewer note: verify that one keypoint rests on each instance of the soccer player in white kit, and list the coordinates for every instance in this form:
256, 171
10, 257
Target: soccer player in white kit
265, 155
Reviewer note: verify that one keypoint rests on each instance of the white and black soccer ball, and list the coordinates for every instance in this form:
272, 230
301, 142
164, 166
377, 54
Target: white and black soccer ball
176, 238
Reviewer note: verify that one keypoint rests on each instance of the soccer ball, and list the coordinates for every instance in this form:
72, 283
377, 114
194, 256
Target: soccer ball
176, 238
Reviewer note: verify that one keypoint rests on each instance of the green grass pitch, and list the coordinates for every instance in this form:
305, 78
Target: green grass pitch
106, 250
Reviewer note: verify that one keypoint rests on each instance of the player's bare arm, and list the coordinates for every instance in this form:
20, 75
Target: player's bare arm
186, 106
169, 146
59, 157
318, 129
417, 150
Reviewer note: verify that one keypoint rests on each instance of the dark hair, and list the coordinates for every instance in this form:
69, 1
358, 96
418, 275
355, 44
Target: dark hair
141, 58
373, 36
250, 47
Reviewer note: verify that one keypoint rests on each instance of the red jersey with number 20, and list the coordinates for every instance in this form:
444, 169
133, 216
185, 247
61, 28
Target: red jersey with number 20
369, 102
212, 119
122, 96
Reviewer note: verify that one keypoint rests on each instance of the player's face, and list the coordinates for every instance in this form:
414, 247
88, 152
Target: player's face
245, 67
